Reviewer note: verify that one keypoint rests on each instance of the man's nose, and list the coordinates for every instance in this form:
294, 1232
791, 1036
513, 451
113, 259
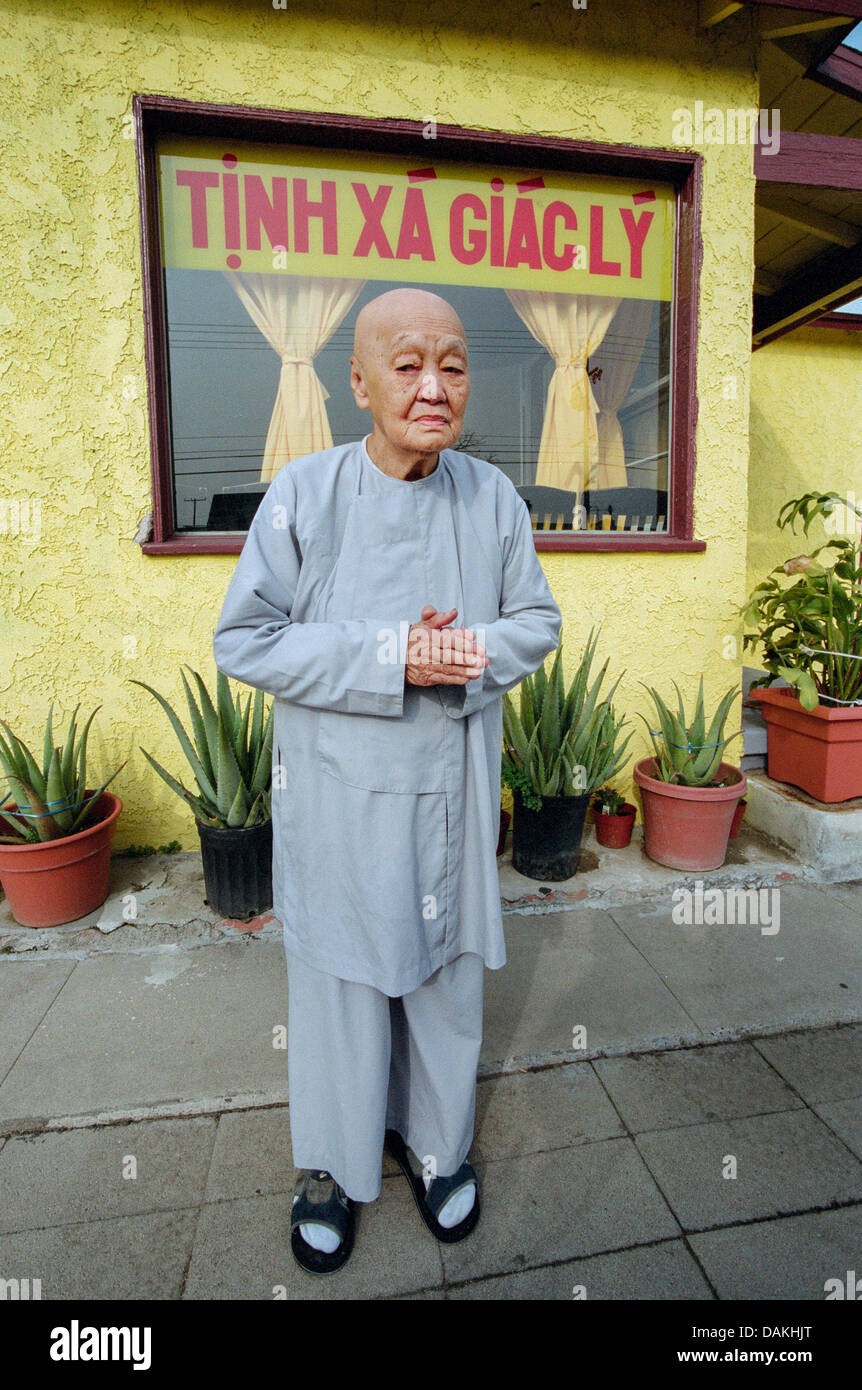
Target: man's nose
431, 388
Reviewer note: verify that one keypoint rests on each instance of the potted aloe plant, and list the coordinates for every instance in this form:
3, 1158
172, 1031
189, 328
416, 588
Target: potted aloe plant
230, 755
55, 836
614, 818
810, 634
557, 751
689, 793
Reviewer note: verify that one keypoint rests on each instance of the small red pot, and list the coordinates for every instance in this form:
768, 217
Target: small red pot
615, 831
58, 881
687, 827
819, 750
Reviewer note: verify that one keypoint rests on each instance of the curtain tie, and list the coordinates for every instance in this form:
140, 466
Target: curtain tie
295, 359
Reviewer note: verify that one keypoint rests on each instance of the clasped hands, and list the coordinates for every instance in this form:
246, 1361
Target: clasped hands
441, 655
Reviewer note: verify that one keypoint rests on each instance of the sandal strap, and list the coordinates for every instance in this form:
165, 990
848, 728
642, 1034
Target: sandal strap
441, 1189
335, 1212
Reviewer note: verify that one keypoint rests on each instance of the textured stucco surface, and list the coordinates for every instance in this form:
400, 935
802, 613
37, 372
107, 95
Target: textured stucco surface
85, 610
806, 425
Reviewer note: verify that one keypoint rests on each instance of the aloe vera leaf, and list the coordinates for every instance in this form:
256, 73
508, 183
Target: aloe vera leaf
257, 719
199, 730
224, 702
48, 741
210, 719
84, 810
239, 808
528, 706
228, 773
67, 759
26, 767
80, 756
57, 795
209, 810
262, 774
206, 786
516, 738
240, 739
13, 764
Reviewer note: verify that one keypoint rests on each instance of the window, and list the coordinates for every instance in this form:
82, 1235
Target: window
571, 268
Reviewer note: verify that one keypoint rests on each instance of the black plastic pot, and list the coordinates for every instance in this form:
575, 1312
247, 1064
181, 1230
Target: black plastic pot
546, 844
237, 869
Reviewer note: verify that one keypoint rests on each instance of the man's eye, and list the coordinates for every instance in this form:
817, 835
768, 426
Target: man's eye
406, 367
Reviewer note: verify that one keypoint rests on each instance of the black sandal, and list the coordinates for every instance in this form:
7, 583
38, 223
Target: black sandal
321, 1200
439, 1191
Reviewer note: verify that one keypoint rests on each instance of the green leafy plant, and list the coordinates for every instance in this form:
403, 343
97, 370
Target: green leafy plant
687, 751
56, 793
810, 631
609, 801
562, 743
231, 756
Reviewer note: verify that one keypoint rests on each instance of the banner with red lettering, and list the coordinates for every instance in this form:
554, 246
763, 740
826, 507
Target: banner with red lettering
227, 205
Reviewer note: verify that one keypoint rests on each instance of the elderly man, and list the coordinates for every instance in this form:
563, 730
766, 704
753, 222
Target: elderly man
386, 754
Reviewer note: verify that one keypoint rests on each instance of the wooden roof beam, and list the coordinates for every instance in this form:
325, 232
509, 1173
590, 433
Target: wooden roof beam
819, 224
832, 278
814, 161
711, 12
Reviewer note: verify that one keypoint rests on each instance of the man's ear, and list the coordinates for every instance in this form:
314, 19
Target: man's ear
357, 385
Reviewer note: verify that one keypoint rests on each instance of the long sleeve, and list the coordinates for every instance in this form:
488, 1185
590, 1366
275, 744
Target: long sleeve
526, 631
330, 665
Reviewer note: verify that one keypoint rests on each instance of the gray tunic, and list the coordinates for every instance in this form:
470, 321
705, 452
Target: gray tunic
385, 831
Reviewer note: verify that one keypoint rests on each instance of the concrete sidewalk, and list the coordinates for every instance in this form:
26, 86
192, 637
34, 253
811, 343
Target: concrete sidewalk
144, 1104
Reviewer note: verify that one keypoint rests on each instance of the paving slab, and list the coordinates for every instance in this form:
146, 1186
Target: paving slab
782, 1259
242, 1251
541, 1110
664, 1271
692, 1086
822, 1066
251, 1155
128, 1257
79, 1175
27, 991
844, 1118
731, 978
129, 1030
785, 1162
545, 1208
570, 970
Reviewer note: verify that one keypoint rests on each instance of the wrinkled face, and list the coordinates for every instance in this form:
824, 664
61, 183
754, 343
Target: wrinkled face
410, 370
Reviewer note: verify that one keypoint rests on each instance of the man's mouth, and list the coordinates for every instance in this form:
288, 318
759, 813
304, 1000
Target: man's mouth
430, 420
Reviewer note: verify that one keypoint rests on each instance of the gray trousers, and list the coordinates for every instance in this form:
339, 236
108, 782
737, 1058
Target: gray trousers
360, 1062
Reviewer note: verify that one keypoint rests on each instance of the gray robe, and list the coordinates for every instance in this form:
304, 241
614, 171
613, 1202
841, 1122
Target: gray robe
384, 864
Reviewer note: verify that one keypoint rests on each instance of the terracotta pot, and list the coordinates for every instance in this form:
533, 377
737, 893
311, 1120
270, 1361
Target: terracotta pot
505, 818
819, 750
615, 831
737, 818
687, 827
58, 881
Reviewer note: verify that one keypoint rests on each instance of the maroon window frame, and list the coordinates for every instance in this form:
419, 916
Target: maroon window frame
155, 116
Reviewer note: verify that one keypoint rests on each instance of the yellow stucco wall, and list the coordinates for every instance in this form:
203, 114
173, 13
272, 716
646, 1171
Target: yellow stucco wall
86, 610
806, 425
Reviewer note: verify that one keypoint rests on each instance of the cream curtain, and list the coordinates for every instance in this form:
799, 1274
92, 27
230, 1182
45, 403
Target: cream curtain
297, 314
618, 359
571, 327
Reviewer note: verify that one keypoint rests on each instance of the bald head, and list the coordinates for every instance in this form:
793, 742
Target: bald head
409, 368
397, 311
